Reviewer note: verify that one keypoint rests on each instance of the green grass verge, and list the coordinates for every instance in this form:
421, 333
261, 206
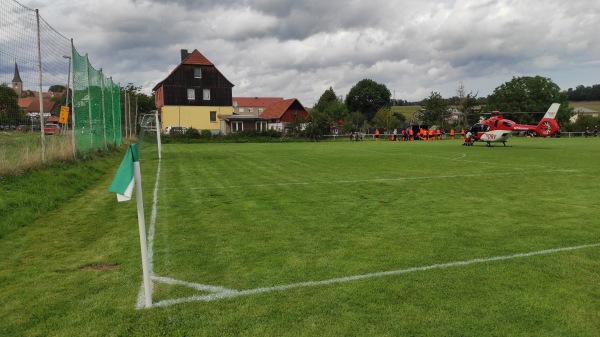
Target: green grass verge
22, 151
246, 216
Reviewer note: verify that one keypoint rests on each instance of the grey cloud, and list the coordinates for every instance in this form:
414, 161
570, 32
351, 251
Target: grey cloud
298, 49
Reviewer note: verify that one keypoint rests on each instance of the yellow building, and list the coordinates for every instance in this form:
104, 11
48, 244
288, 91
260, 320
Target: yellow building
194, 94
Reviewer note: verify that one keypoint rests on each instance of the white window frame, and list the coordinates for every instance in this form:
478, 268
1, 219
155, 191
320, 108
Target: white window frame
260, 110
206, 94
250, 110
261, 126
213, 114
237, 126
197, 72
191, 94
240, 109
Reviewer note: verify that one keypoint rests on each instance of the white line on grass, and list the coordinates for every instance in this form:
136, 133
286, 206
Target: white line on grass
150, 242
353, 181
221, 293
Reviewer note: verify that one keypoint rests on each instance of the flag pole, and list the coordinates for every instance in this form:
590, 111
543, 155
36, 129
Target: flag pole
142, 226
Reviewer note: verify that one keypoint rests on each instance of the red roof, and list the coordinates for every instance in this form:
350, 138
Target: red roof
24, 102
255, 101
32, 104
278, 109
197, 59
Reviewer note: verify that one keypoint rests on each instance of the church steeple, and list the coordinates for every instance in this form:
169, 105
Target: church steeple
17, 83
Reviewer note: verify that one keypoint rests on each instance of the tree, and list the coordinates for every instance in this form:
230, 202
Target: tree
10, 112
400, 118
386, 119
383, 118
583, 93
336, 112
353, 122
318, 125
466, 103
328, 97
367, 97
57, 88
435, 109
330, 104
530, 94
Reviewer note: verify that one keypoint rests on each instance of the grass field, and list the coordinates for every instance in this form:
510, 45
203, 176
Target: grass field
594, 105
323, 239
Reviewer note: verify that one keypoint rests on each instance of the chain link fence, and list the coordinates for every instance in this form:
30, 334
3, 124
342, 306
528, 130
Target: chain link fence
40, 72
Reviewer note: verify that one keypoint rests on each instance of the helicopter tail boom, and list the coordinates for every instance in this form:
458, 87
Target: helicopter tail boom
548, 125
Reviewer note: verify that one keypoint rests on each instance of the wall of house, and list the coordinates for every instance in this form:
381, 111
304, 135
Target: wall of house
197, 117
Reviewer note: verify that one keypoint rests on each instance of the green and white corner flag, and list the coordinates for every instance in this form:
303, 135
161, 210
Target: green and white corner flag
124, 180
128, 177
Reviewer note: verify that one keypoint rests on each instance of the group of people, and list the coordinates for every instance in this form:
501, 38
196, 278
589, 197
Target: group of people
423, 134
409, 134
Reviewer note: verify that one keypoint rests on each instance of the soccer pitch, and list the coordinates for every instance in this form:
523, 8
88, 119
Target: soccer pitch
381, 237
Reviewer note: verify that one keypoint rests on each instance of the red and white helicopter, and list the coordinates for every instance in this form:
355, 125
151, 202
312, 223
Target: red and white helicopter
498, 129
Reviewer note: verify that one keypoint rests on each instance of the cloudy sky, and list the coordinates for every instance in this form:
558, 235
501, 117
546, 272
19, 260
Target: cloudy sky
300, 48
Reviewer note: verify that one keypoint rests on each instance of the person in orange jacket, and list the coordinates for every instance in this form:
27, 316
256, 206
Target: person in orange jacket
377, 134
431, 137
438, 134
452, 134
411, 134
462, 133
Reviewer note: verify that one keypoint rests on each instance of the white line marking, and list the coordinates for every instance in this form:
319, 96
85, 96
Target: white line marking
150, 241
228, 293
197, 286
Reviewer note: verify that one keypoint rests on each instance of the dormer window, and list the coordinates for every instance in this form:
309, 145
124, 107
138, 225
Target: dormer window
197, 72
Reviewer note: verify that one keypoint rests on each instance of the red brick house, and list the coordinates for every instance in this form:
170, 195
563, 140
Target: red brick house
252, 105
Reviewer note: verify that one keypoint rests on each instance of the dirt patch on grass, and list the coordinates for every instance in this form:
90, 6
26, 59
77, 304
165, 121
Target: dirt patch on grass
101, 267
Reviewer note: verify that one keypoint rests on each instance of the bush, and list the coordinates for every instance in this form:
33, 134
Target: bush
192, 133
205, 134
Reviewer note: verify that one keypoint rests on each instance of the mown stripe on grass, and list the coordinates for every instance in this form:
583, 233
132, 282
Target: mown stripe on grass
354, 181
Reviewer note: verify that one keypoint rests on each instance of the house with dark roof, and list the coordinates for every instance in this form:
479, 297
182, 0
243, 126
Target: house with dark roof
193, 94
281, 113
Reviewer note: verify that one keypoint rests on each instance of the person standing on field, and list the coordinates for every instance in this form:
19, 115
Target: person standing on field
376, 134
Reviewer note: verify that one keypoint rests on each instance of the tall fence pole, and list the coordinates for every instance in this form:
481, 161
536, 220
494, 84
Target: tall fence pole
87, 64
41, 96
103, 108
112, 109
72, 106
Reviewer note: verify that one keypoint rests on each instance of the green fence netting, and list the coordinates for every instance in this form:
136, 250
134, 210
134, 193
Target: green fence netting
96, 107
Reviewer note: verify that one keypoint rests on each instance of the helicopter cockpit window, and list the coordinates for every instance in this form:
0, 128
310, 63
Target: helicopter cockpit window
507, 124
479, 128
